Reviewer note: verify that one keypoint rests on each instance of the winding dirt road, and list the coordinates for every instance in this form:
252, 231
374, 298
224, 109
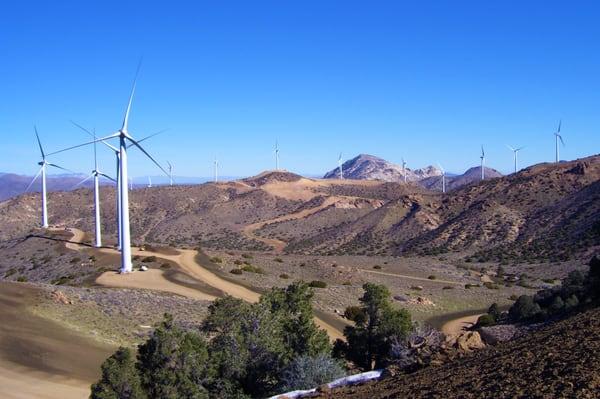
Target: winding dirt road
186, 259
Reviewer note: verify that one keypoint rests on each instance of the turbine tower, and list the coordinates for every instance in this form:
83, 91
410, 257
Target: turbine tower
124, 138
443, 178
216, 169
515, 155
276, 155
557, 138
404, 170
43, 163
149, 182
170, 173
482, 157
96, 175
340, 167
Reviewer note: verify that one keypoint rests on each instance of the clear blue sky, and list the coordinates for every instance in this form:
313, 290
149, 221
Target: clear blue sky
428, 82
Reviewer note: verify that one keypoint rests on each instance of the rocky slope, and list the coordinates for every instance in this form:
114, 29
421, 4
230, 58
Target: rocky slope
369, 167
12, 184
472, 175
561, 361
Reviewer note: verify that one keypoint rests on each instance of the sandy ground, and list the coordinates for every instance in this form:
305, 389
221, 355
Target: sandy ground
39, 358
456, 326
407, 277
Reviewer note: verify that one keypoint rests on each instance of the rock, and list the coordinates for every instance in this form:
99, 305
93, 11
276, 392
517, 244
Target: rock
401, 298
500, 333
469, 340
61, 297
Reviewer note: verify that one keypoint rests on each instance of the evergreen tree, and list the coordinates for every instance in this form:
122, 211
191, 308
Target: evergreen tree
120, 379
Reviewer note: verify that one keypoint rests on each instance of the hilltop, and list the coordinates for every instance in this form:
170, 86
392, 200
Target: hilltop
530, 214
369, 167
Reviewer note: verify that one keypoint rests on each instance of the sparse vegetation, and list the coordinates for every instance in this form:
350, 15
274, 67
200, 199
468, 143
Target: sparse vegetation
318, 284
236, 271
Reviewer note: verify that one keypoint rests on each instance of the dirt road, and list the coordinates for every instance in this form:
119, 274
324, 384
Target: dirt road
186, 259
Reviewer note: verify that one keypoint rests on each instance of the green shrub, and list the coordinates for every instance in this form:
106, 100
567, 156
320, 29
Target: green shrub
237, 262
377, 267
317, 284
284, 276
524, 309
491, 286
486, 320
22, 279
306, 372
236, 271
253, 269
216, 259
432, 277
149, 259
448, 287
165, 265
355, 314
278, 260
75, 260
247, 256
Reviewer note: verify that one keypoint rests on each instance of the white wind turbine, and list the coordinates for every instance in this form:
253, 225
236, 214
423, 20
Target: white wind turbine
43, 163
443, 178
124, 137
216, 169
149, 182
404, 169
170, 173
515, 155
340, 167
482, 157
558, 137
96, 175
276, 155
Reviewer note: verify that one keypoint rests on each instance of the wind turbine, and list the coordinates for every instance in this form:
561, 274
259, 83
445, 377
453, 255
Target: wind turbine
96, 175
443, 178
482, 157
340, 167
557, 137
404, 169
124, 138
149, 182
216, 169
43, 163
170, 173
276, 155
515, 154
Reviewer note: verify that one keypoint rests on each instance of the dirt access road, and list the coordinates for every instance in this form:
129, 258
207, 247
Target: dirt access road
186, 259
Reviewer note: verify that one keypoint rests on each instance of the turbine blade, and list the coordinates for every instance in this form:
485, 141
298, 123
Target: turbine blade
559, 124
95, 156
107, 176
561, 140
510, 148
34, 179
520, 148
152, 135
88, 143
92, 135
37, 136
126, 118
59, 167
83, 181
148, 155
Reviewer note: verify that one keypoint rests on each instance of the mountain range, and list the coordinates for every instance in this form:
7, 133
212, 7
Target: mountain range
544, 212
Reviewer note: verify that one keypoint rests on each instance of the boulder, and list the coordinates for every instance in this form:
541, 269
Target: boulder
468, 341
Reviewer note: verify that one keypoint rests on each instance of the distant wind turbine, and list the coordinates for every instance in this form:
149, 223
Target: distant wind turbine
482, 157
276, 155
557, 137
404, 169
515, 155
443, 178
43, 163
96, 175
216, 169
149, 182
340, 167
170, 173
124, 138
